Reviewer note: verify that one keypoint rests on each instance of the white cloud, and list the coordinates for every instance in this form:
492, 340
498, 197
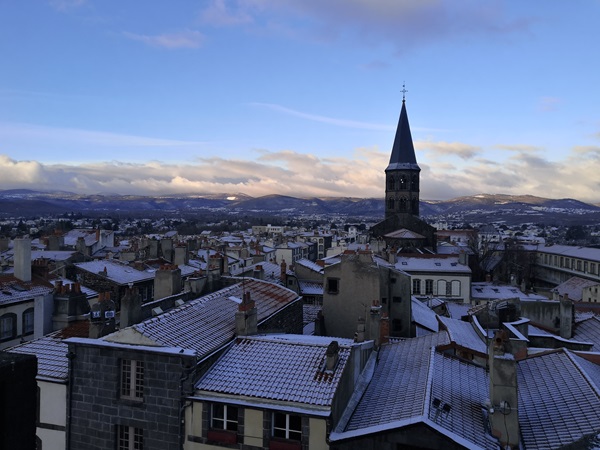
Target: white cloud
182, 39
218, 13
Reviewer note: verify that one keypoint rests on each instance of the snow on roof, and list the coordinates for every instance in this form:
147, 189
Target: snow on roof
588, 331
574, 287
464, 335
457, 310
486, 290
124, 273
310, 287
207, 323
13, 290
283, 369
310, 265
556, 410
572, 251
423, 315
431, 264
409, 381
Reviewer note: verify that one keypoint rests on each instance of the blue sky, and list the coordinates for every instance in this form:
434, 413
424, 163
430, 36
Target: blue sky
299, 97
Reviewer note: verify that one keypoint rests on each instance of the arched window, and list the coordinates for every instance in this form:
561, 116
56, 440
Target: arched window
455, 288
391, 203
391, 183
414, 206
414, 183
403, 184
403, 203
8, 326
27, 321
441, 290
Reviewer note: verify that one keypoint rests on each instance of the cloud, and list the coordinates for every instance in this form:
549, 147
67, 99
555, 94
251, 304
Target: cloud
323, 119
463, 151
405, 24
218, 13
288, 172
548, 104
183, 39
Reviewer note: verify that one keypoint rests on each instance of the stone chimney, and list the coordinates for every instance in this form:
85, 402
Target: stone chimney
503, 404
283, 275
258, 273
166, 249
359, 336
70, 305
181, 257
462, 258
374, 331
566, 317
332, 356
167, 281
246, 317
102, 317
131, 307
22, 259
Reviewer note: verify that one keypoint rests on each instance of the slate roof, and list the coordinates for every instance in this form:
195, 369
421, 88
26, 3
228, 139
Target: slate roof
285, 370
457, 310
485, 290
558, 409
310, 265
424, 316
51, 351
464, 335
124, 273
409, 376
572, 251
403, 233
207, 323
574, 287
13, 290
431, 264
310, 287
588, 331
403, 151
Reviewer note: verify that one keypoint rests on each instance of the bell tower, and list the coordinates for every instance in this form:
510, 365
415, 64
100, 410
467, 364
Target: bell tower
402, 173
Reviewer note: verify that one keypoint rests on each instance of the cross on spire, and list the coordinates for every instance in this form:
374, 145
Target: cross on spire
404, 91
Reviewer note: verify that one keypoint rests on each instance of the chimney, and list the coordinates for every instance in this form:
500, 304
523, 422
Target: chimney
566, 317
283, 275
503, 403
102, 317
167, 281
131, 307
374, 331
22, 259
332, 356
258, 272
246, 317
462, 258
359, 336
181, 254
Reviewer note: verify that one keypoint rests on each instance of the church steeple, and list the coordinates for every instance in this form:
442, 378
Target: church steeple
402, 173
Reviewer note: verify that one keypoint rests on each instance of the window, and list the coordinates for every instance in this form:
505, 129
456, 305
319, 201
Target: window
585, 266
396, 299
129, 438
333, 285
579, 265
132, 379
287, 426
429, 287
28, 321
448, 289
416, 286
593, 268
8, 326
224, 417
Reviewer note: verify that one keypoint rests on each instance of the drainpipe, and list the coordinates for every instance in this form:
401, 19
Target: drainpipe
71, 355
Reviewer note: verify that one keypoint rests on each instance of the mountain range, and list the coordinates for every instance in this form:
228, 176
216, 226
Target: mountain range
480, 208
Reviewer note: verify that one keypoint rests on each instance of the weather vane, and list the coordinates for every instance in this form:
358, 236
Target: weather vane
404, 91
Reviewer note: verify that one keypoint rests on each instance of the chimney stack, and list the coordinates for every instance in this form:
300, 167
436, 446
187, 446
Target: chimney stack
503, 404
332, 356
22, 259
246, 317
566, 317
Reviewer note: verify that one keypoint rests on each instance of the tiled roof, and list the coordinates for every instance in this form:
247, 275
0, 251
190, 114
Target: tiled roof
558, 404
281, 370
464, 335
588, 331
207, 323
457, 310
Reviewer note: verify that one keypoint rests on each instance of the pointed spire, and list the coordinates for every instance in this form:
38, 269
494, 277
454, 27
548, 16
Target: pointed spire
403, 152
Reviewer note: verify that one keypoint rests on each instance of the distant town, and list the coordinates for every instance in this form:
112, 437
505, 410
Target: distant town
200, 322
